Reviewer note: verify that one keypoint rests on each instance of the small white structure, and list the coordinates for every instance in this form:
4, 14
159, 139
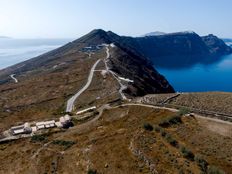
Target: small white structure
58, 124
45, 124
125, 79
86, 110
104, 73
112, 45
65, 120
34, 128
22, 129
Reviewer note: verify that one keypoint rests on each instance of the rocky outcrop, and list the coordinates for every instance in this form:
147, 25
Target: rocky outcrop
216, 45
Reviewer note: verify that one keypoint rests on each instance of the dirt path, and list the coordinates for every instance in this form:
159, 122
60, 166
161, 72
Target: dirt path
13, 77
122, 87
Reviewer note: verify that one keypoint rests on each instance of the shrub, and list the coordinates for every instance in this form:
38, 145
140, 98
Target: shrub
170, 140
38, 138
148, 127
201, 162
163, 133
175, 120
164, 123
183, 111
91, 171
66, 144
171, 121
214, 170
187, 153
157, 128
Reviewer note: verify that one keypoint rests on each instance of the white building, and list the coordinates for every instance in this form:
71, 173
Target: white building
22, 129
86, 110
65, 120
45, 124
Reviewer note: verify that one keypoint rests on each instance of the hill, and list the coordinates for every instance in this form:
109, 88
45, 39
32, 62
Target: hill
45, 83
81, 112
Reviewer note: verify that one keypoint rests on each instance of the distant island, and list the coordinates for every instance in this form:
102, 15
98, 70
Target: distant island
5, 37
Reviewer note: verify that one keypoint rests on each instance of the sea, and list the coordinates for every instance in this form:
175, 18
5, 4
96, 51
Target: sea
13, 51
216, 76
197, 78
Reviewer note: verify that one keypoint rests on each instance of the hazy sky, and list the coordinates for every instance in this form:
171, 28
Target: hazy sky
73, 18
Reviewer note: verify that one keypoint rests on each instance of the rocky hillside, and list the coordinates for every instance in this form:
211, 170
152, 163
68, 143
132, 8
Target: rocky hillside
124, 62
40, 87
216, 45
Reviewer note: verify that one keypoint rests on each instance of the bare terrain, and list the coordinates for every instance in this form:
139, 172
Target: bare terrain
118, 143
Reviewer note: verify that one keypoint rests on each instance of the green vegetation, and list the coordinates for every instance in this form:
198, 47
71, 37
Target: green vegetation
187, 153
75, 121
171, 140
183, 111
91, 171
214, 170
148, 127
163, 132
176, 119
157, 129
167, 136
203, 164
38, 138
65, 144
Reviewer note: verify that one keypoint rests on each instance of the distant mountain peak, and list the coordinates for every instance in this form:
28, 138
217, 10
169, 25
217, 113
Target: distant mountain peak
97, 31
95, 37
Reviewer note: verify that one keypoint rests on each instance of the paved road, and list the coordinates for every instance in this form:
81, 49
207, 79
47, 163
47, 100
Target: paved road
12, 76
122, 87
71, 101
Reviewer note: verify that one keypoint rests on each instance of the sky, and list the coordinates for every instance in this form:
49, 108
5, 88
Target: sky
74, 18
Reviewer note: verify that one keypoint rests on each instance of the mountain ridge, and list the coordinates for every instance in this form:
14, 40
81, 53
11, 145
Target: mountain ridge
127, 62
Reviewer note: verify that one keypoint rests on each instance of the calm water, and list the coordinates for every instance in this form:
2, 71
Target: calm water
213, 77
13, 51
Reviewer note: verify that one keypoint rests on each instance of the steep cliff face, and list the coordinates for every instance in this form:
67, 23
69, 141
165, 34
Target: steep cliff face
146, 79
178, 44
216, 45
177, 49
129, 63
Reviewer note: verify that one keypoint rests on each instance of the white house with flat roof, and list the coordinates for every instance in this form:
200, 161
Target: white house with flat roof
21, 129
45, 124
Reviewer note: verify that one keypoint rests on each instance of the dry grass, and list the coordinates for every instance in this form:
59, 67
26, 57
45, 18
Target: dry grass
43, 94
212, 101
108, 145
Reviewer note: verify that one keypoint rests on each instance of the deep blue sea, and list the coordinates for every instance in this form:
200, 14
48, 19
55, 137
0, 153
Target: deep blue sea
201, 78
13, 51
